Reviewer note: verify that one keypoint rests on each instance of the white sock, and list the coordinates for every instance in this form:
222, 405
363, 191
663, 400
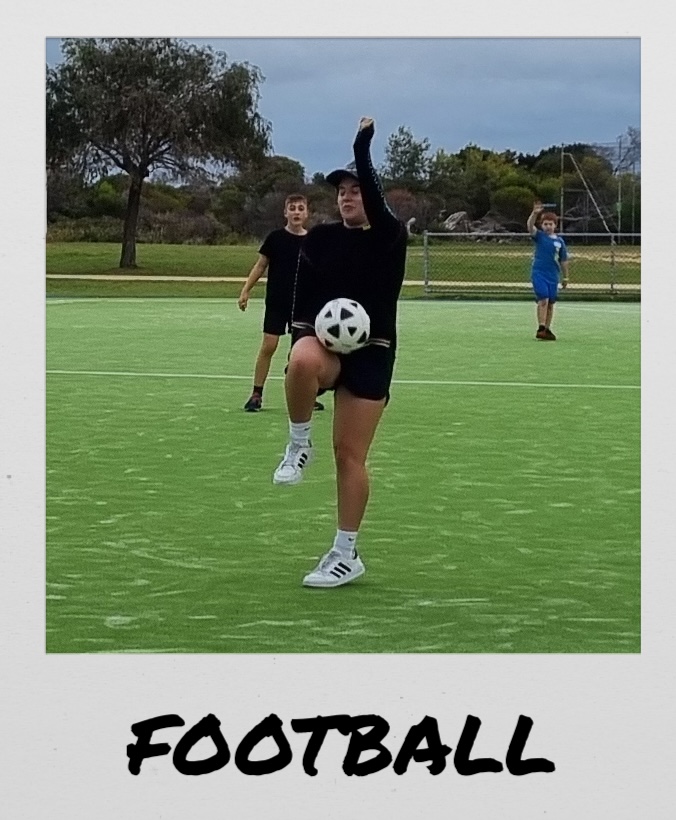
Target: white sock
346, 543
300, 431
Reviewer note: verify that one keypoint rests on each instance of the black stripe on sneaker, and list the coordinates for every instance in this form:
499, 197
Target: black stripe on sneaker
340, 570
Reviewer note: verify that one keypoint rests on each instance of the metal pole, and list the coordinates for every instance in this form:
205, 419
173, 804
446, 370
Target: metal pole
612, 263
633, 201
426, 266
561, 195
589, 194
619, 188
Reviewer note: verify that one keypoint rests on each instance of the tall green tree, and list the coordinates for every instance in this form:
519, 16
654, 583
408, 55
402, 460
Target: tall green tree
147, 104
406, 158
513, 202
274, 174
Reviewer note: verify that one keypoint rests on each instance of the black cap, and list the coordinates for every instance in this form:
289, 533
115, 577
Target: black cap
335, 177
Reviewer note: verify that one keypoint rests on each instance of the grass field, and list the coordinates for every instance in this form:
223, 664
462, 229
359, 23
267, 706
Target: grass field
505, 506
96, 258
471, 262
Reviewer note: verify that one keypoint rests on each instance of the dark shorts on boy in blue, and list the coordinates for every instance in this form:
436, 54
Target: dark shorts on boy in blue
544, 287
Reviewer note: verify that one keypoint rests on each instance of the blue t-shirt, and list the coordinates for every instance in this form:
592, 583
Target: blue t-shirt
549, 251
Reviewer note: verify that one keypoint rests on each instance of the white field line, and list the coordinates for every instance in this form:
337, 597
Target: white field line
525, 285
440, 382
429, 305
258, 302
117, 277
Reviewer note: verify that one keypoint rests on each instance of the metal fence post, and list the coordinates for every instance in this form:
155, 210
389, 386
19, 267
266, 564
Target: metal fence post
426, 266
612, 263
496, 263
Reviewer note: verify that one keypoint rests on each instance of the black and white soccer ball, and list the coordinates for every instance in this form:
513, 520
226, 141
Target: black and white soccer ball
343, 326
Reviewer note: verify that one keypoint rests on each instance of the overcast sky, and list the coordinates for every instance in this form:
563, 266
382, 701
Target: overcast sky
523, 94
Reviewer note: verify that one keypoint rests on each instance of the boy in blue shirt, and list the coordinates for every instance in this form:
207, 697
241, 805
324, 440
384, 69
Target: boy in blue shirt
549, 262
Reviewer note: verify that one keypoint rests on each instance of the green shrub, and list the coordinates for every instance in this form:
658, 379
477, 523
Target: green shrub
85, 229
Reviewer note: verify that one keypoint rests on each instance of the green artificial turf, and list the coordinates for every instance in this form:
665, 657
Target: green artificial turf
505, 506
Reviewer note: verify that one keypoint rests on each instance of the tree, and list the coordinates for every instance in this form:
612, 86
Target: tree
513, 202
275, 174
625, 154
66, 194
630, 149
444, 172
548, 161
147, 104
104, 200
482, 172
403, 203
406, 159
229, 207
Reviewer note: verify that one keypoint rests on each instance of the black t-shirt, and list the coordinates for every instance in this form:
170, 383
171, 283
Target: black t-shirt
282, 249
366, 264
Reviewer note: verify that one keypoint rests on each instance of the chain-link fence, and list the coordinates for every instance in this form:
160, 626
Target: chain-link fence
600, 264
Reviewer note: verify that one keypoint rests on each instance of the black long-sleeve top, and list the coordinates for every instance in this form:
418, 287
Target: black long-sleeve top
365, 263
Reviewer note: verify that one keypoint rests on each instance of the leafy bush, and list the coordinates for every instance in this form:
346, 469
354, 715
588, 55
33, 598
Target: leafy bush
86, 229
513, 202
181, 228
104, 200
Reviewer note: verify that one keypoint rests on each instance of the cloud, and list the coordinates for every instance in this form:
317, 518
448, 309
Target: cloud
519, 93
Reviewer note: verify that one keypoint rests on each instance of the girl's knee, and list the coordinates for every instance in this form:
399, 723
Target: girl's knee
347, 457
304, 361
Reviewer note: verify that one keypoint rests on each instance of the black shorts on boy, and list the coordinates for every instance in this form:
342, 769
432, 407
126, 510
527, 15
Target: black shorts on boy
277, 319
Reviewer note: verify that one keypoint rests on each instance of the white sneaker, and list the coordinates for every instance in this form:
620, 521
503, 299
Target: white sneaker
296, 457
334, 570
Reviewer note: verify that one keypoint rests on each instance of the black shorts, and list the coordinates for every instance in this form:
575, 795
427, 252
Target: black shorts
367, 373
276, 320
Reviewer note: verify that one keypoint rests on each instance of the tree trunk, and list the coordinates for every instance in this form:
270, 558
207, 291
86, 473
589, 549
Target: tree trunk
128, 257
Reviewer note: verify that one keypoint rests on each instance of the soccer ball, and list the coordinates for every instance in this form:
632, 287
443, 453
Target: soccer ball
343, 326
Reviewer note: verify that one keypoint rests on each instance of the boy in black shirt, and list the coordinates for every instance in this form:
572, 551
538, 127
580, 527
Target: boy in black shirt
279, 255
361, 257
